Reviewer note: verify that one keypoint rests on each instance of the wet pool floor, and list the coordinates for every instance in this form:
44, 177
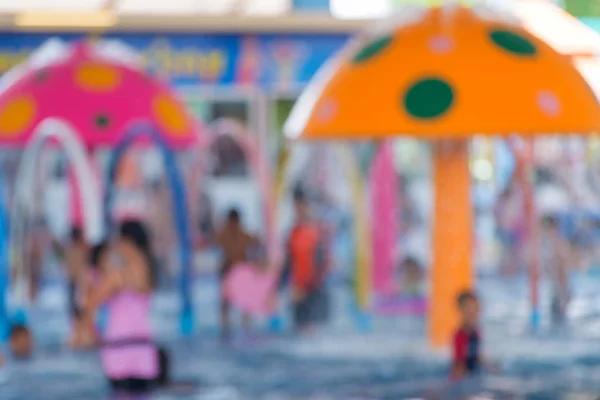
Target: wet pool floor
264, 373
391, 362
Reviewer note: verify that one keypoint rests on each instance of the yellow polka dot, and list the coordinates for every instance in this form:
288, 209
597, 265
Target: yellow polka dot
17, 115
170, 116
97, 77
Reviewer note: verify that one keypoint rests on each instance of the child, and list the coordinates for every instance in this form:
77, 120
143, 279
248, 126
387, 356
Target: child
75, 256
20, 341
308, 264
130, 359
36, 245
555, 259
84, 334
412, 278
468, 359
236, 245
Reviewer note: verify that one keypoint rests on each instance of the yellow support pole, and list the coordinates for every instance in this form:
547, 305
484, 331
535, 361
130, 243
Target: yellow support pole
363, 267
283, 159
452, 270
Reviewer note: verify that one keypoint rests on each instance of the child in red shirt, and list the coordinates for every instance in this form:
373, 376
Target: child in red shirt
468, 359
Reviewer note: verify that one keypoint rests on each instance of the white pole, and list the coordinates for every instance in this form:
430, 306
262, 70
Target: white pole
51, 128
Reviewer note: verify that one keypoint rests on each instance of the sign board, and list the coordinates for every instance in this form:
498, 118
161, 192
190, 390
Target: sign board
277, 62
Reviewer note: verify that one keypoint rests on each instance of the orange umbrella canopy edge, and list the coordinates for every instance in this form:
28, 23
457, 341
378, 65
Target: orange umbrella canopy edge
446, 73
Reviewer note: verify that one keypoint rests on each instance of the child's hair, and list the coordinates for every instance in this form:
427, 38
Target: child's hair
18, 329
136, 233
464, 297
76, 234
411, 261
97, 252
233, 215
299, 194
549, 221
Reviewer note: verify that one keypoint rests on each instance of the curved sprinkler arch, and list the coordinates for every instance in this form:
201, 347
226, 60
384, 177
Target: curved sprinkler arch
147, 129
524, 153
259, 165
4, 264
66, 136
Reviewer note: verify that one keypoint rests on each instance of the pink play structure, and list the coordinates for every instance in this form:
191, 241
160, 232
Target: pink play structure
385, 216
82, 97
99, 93
99, 89
385, 230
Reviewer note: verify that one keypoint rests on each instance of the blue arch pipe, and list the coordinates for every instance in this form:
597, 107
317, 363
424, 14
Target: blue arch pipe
4, 264
179, 205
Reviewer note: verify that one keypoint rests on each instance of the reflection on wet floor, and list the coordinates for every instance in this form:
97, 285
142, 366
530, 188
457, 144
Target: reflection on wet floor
339, 363
265, 373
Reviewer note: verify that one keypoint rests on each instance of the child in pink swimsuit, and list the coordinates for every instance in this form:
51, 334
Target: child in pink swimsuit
130, 359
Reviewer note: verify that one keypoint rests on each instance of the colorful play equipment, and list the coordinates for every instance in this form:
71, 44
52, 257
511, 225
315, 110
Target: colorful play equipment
375, 197
23, 203
578, 223
4, 262
389, 297
385, 218
450, 72
249, 287
261, 171
106, 81
87, 96
523, 151
375, 188
179, 201
397, 305
383, 193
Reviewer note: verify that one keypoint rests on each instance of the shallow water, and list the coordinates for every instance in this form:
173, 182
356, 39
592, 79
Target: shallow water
389, 362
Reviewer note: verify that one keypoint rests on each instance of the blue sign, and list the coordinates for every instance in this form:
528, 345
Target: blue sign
284, 62
311, 5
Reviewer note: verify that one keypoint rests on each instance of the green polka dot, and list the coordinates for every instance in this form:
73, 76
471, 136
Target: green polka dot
372, 49
513, 43
102, 121
428, 98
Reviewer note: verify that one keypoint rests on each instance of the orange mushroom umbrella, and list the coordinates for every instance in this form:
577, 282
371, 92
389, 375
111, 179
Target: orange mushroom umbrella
450, 74
446, 73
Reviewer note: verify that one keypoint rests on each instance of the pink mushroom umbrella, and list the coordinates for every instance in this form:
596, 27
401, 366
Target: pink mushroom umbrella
99, 88
100, 92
